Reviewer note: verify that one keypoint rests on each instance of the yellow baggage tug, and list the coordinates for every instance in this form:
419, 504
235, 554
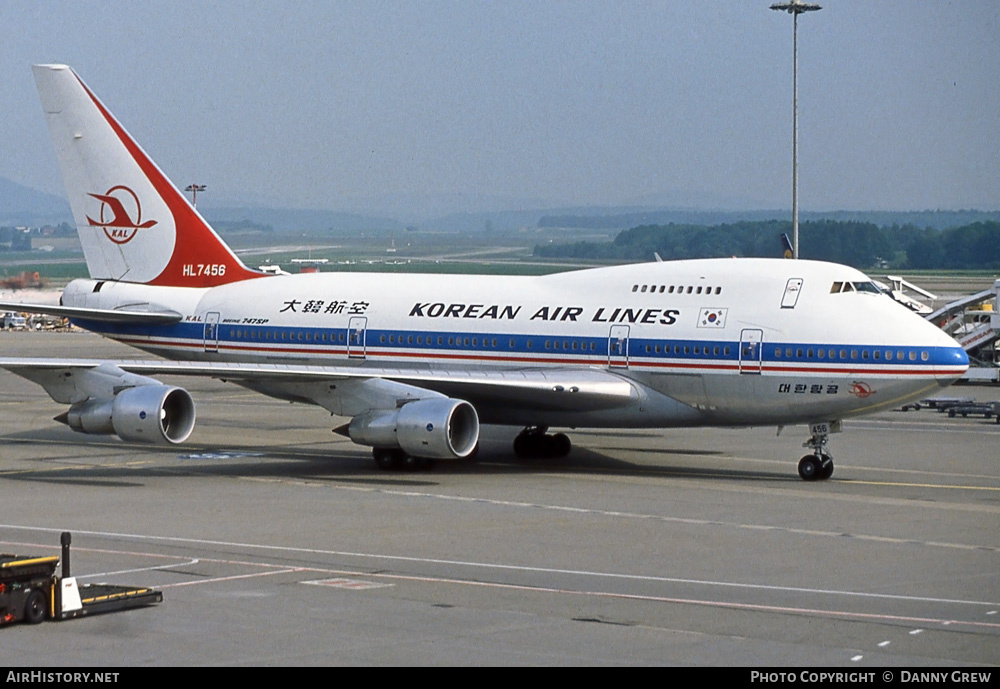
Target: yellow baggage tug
31, 591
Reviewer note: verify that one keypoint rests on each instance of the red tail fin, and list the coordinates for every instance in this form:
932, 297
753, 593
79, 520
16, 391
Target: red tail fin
133, 223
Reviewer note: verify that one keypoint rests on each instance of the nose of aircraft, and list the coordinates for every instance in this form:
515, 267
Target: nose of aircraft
947, 359
956, 360
939, 356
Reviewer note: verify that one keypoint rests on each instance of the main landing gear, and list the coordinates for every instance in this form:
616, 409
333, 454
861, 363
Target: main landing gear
394, 459
534, 443
819, 465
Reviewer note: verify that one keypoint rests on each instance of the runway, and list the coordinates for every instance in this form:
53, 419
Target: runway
277, 542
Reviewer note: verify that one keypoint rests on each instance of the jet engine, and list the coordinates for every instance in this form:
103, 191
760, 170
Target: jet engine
433, 428
158, 414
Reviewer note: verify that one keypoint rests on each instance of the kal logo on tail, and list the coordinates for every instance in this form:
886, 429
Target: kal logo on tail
119, 227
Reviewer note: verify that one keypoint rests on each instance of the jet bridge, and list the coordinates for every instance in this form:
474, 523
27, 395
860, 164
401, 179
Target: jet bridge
976, 329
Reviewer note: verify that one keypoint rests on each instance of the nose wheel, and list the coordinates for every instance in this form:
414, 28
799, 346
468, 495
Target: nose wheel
817, 466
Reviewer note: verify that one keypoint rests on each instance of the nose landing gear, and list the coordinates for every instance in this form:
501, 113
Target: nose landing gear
819, 465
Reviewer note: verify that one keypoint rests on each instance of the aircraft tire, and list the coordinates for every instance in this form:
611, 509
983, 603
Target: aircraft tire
560, 445
809, 468
525, 446
388, 459
411, 463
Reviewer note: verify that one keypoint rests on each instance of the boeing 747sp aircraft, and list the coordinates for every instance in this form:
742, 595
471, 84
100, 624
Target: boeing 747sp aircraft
414, 363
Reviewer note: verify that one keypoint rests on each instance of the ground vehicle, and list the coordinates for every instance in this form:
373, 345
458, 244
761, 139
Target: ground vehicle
987, 409
25, 585
14, 321
31, 591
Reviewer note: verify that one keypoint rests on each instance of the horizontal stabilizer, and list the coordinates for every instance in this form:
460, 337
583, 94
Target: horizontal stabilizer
137, 316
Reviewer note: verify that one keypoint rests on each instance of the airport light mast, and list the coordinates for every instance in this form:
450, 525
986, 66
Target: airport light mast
795, 8
194, 189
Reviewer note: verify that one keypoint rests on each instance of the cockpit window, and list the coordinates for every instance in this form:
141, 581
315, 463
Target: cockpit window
864, 286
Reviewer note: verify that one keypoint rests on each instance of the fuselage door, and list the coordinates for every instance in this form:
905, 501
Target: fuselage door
356, 337
791, 296
751, 350
211, 334
618, 346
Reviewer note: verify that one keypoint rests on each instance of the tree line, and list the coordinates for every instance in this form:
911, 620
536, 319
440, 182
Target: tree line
858, 244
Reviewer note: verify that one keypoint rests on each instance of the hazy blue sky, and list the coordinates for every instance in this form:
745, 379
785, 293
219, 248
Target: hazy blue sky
331, 104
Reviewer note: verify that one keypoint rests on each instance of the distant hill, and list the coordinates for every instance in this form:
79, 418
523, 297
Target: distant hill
292, 220
21, 205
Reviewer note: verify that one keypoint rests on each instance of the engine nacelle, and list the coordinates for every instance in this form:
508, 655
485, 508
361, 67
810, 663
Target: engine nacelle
433, 428
158, 414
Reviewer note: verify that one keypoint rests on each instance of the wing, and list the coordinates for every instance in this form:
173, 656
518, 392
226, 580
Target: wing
420, 414
348, 391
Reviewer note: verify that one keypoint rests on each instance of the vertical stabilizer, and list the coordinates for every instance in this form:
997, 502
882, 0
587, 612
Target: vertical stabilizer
133, 223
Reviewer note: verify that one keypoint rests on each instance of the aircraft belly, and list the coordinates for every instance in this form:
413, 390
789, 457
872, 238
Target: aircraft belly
784, 399
499, 398
652, 410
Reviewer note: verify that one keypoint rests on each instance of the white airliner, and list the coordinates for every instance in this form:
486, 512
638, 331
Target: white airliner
415, 363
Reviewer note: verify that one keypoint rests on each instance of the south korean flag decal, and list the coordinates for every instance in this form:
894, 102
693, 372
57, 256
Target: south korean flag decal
712, 318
